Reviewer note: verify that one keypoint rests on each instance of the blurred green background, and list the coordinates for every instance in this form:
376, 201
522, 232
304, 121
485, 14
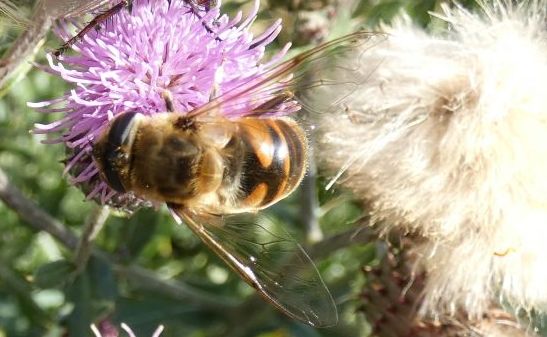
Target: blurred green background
150, 271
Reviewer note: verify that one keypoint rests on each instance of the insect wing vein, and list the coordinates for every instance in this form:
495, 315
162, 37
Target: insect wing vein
274, 264
79, 7
301, 76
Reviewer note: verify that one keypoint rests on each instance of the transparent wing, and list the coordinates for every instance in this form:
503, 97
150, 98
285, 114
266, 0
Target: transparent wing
271, 262
56, 9
72, 8
10, 11
335, 67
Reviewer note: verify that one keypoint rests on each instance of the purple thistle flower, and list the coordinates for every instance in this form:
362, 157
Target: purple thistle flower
133, 59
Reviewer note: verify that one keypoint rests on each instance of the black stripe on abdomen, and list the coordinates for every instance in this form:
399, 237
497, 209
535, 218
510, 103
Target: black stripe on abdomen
261, 185
297, 148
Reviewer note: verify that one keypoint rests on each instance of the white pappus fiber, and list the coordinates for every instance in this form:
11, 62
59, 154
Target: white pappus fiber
447, 138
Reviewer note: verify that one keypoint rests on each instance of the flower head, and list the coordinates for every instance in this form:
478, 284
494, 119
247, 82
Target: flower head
446, 139
194, 53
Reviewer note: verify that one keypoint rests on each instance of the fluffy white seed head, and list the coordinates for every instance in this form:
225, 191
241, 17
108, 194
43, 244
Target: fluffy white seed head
446, 137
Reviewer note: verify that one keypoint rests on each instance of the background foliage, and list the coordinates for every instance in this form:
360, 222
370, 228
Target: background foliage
150, 271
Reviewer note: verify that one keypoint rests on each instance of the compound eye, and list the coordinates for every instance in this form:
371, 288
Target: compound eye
120, 130
119, 139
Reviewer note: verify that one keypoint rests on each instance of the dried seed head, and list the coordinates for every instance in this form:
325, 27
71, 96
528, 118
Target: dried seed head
393, 293
446, 139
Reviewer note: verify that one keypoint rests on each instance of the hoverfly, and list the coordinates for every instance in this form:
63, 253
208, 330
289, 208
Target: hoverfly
215, 172
75, 8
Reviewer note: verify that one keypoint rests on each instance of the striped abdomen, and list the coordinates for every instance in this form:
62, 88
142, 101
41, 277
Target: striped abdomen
274, 161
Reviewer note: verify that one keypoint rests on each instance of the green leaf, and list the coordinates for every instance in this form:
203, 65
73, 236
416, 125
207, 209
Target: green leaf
384, 12
103, 282
301, 330
80, 295
154, 309
419, 11
53, 274
141, 229
93, 294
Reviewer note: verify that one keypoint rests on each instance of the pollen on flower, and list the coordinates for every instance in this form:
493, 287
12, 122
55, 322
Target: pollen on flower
194, 53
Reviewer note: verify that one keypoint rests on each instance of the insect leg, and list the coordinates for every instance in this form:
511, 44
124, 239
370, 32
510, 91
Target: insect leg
206, 5
93, 24
168, 98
